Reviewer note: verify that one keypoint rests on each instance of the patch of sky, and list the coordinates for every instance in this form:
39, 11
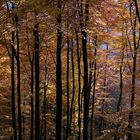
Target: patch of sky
10, 5
104, 46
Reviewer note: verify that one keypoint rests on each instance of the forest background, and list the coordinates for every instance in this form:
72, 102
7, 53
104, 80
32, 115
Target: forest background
69, 69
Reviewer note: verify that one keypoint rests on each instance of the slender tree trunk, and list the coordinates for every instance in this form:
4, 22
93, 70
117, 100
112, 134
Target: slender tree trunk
18, 79
85, 64
24, 110
90, 77
73, 89
32, 100
121, 80
134, 62
37, 92
45, 111
121, 83
86, 97
133, 92
13, 87
32, 94
79, 86
94, 90
79, 6
81, 17
59, 76
68, 110
45, 100
121, 89
137, 9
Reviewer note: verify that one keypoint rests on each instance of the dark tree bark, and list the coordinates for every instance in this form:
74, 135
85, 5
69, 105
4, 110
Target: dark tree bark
133, 92
45, 99
79, 85
37, 88
59, 76
32, 100
121, 80
120, 88
18, 79
137, 10
13, 55
73, 88
79, 6
90, 77
13, 86
24, 110
83, 24
67, 79
134, 62
94, 90
86, 94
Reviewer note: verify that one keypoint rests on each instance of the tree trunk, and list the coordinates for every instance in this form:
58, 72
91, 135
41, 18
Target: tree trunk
79, 86
85, 64
86, 94
73, 89
133, 92
137, 9
18, 79
32, 99
94, 90
13, 87
121, 81
45, 100
37, 96
134, 61
67, 79
24, 111
59, 76
121, 89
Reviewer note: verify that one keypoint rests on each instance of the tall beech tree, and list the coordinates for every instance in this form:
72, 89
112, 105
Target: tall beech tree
78, 52
37, 87
134, 54
121, 71
79, 83
72, 108
16, 18
13, 85
67, 79
84, 19
45, 99
94, 88
59, 74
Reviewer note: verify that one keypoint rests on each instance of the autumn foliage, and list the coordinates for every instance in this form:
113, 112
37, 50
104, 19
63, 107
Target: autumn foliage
69, 70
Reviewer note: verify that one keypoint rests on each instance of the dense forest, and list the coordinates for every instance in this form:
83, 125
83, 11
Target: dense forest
69, 69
